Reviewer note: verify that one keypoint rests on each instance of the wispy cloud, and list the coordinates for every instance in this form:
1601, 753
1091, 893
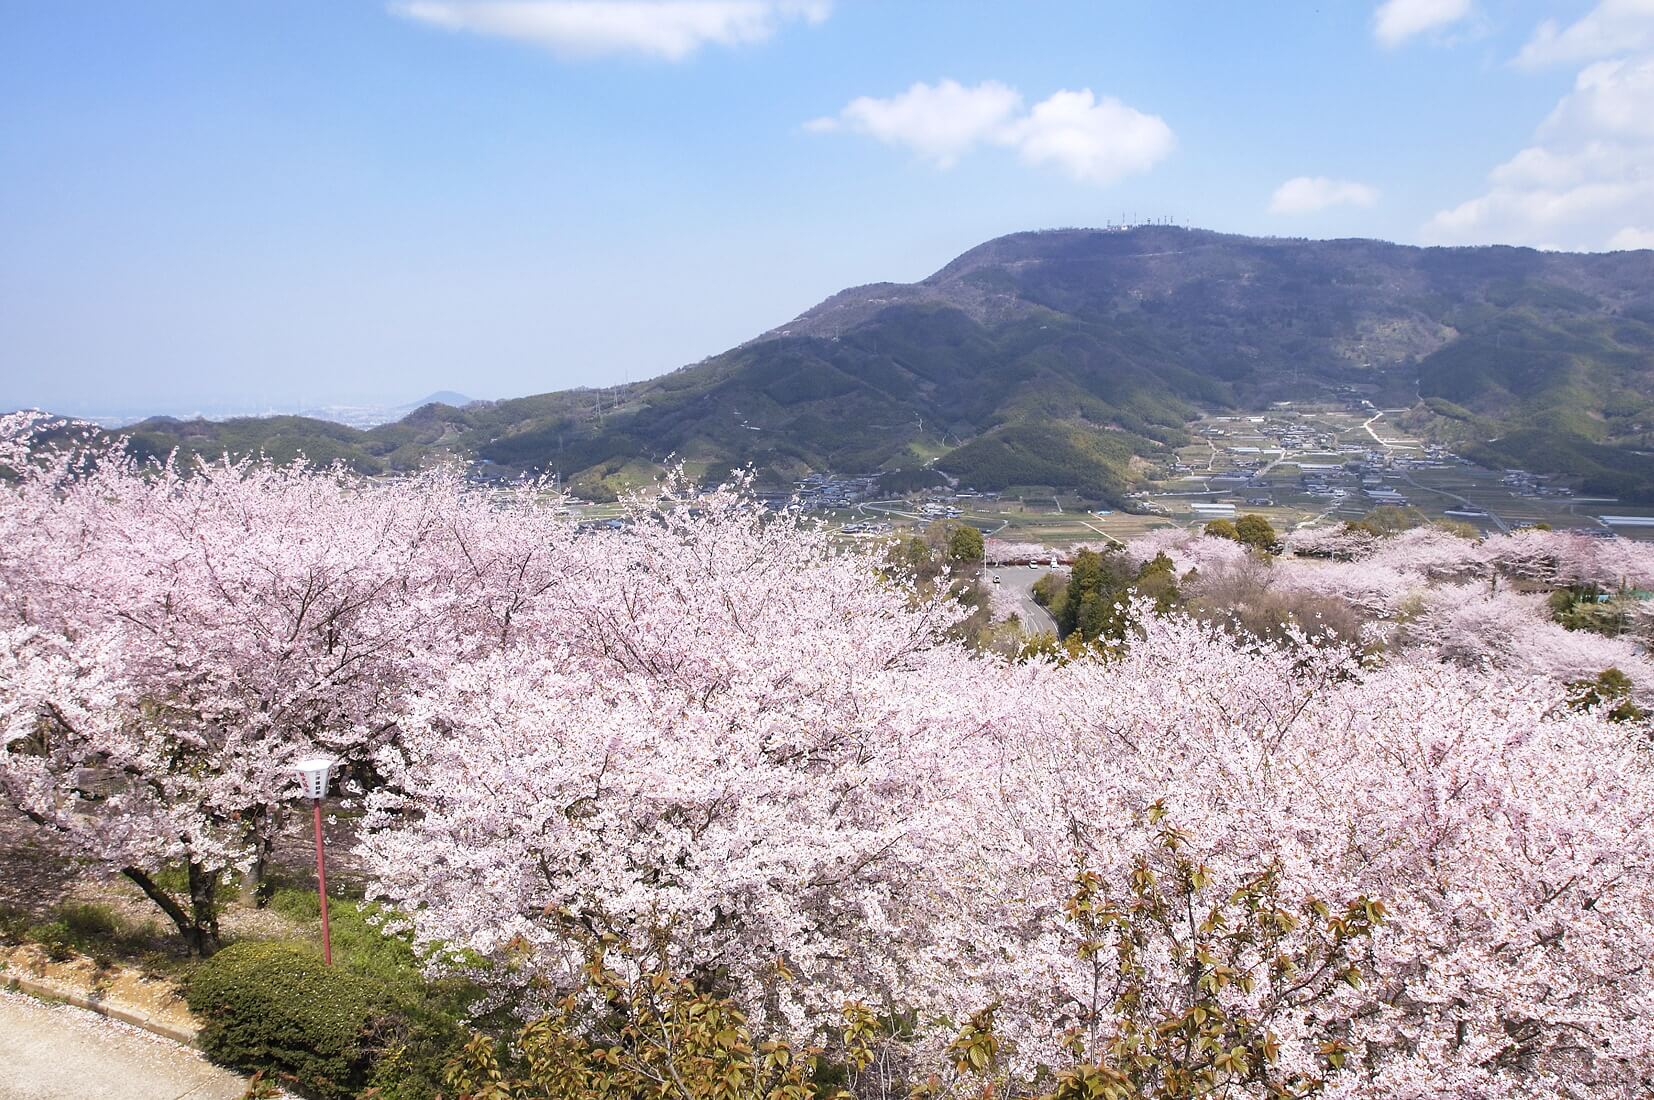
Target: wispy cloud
1092, 140
1632, 236
939, 122
1308, 194
1396, 21
669, 29
1587, 179
1611, 28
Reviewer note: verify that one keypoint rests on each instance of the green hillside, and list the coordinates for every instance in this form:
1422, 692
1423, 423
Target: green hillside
1055, 358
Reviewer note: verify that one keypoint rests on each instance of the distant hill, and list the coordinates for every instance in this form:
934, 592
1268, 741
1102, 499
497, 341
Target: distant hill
1068, 358
371, 416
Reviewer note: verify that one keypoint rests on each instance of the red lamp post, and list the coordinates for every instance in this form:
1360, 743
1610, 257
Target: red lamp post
314, 773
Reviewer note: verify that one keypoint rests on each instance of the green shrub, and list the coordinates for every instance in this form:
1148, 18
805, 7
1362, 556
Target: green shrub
362, 940
1255, 531
1220, 529
55, 937
1049, 591
1612, 690
1389, 518
419, 1033
415, 1023
276, 1007
411, 1051
965, 543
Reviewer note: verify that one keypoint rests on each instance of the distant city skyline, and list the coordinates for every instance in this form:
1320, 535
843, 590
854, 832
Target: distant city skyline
236, 207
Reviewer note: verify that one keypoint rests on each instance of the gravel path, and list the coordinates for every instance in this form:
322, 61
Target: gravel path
58, 1052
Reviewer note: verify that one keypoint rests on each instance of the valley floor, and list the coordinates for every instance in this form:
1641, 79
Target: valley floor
1296, 466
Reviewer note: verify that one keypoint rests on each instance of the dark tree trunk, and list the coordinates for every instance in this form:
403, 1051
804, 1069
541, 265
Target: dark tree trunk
204, 905
256, 887
198, 926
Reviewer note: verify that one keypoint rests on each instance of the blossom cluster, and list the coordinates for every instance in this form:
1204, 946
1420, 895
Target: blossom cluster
172, 639
722, 733
1478, 602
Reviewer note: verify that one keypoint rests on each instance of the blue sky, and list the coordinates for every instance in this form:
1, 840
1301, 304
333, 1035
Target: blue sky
235, 204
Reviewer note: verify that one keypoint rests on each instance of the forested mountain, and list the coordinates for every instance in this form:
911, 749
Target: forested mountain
1058, 358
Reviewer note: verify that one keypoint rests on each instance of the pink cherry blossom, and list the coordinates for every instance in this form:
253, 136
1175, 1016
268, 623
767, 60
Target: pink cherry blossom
724, 730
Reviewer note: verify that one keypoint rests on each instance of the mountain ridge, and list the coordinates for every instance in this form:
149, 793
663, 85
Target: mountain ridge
1072, 358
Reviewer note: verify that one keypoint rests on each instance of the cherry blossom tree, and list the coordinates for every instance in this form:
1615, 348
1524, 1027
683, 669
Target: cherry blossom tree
737, 738
1332, 540
718, 728
719, 739
175, 638
1476, 602
1508, 834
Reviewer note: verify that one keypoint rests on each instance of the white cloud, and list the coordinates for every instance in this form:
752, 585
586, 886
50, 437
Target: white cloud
1308, 194
1611, 28
1587, 178
1613, 100
671, 29
1093, 141
1396, 21
1631, 237
939, 122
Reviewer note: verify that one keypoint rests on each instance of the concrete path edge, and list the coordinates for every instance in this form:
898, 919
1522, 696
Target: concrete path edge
30, 971
182, 1036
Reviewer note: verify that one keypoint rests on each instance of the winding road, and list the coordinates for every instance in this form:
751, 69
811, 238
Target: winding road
1019, 581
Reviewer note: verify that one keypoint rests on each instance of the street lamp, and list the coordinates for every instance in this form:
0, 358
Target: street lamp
314, 772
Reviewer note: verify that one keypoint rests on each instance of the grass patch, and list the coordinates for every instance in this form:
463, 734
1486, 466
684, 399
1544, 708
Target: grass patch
95, 930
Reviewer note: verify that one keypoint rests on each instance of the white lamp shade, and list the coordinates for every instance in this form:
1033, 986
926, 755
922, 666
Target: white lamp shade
314, 773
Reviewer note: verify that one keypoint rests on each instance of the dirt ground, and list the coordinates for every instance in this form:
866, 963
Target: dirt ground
33, 877
36, 877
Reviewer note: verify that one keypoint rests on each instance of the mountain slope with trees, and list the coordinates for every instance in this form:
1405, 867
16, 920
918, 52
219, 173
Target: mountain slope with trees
1063, 358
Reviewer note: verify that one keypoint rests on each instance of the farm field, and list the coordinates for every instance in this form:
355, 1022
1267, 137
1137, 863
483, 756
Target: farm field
1297, 467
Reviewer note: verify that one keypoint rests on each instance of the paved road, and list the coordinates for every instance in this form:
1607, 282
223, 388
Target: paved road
1368, 425
1019, 580
57, 1052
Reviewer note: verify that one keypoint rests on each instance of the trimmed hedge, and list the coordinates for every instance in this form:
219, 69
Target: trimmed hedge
276, 1007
